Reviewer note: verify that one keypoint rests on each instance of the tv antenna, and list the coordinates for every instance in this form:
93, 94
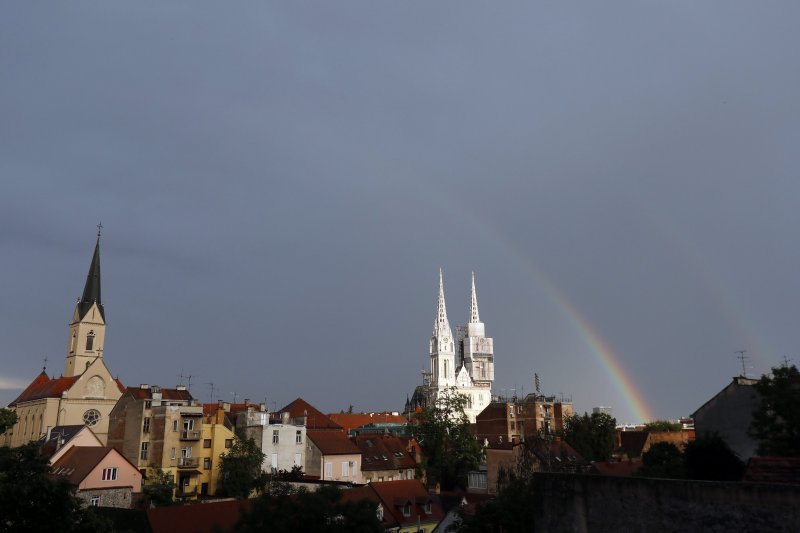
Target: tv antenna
537, 383
786, 361
744, 359
188, 379
213, 388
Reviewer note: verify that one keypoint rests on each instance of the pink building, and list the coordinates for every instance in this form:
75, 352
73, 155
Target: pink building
101, 475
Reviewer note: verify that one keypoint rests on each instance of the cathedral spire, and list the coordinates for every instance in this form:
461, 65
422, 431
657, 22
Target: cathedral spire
91, 291
474, 317
441, 328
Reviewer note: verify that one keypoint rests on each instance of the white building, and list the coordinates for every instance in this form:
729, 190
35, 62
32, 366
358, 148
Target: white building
283, 442
465, 361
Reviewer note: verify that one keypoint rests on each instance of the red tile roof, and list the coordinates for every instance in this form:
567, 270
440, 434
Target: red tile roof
44, 387
784, 470
395, 494
333, 442
383, 452
198, 518
356, 420
314, 418
79, 461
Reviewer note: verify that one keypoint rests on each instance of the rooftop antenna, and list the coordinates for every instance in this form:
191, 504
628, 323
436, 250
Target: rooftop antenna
743, 358
235, 395
213, 388
188, 379
537, 383
786, 361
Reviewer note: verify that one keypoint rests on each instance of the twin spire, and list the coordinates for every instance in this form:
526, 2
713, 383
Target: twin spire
442, 325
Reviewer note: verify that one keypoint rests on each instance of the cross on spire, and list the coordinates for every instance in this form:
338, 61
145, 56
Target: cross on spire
99, 227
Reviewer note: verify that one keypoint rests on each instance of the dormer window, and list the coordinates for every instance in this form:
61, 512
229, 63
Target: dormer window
407, 509
428, 507
90, 341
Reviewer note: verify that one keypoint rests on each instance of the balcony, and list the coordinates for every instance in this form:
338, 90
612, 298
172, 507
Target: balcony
191, 434
188, 462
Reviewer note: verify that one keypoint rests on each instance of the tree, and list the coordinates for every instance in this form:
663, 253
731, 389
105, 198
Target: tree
449, 448
32, 501
310, 512
7, 419
591, 436
776, 421
158, 488
663, 460
710, 458
240, 469
662, 426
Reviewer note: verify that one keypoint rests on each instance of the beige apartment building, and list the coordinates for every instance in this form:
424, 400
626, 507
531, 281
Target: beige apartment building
156, 427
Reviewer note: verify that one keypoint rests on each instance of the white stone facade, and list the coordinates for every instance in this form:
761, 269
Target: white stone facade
466, 361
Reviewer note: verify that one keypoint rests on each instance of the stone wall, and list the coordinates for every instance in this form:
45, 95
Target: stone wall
120, 497
585, 503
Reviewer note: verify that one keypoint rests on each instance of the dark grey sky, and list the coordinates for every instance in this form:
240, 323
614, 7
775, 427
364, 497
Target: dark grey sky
279, 183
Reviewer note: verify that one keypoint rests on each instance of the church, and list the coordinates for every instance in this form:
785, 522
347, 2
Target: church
86, 391
464, 361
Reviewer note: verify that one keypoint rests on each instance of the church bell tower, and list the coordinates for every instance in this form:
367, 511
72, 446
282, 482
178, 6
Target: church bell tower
87, 331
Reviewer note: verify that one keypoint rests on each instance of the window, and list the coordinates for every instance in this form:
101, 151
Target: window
298, 437
174, 425
328, 470
206, 443
148, 404
89, 341
428, 507
110, 474
407, 509
90, 417
274, 463
188, 424
144, 450
206, 463
94, 501
172, 453
298, 458
380, 512
229, 443
146, 425
345, 469
275, 436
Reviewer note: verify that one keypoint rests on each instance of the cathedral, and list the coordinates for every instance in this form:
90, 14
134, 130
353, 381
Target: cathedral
86, 392
464, 361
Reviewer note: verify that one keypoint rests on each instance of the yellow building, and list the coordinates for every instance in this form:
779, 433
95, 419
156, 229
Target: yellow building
86, 392
217, 440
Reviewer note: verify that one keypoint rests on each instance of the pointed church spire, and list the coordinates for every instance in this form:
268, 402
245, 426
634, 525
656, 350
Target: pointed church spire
441, 327
474, 317
91, 291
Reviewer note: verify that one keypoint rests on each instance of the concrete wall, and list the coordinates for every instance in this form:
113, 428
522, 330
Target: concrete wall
582, 503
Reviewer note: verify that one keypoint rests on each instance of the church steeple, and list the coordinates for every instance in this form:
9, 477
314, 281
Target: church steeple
87, 330
91, 291
441, 328
474, 317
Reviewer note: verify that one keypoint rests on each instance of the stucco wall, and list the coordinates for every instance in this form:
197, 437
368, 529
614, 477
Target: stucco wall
582, 503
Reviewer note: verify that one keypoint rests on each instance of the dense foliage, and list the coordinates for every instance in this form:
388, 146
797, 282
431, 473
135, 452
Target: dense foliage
32, 501
7, 419
664, 460
158, 488
450, 449
592, 436
660, 426
240, 469
310, 512
776, 421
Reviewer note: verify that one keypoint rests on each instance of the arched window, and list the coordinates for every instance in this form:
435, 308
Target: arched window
89, 341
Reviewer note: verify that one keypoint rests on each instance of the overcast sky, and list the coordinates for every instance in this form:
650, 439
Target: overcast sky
279, 183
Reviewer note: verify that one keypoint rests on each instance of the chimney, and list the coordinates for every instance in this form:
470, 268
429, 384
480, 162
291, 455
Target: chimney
144, 386
285, 417
247, 401
49, 429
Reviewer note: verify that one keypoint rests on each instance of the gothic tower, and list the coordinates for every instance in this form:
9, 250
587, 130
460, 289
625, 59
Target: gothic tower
87, 331
477, 349
442, 346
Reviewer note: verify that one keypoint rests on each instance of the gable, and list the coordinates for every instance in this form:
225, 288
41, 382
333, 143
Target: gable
96, 382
